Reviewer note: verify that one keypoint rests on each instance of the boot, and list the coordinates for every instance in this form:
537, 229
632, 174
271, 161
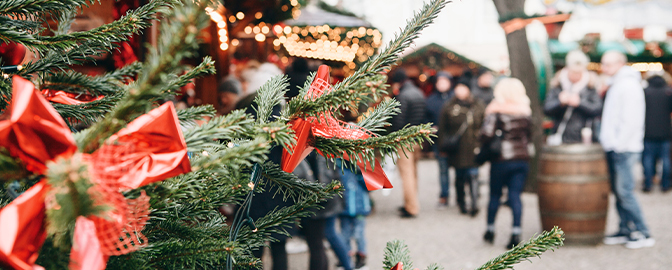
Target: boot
360, 260
489, 237
515, 240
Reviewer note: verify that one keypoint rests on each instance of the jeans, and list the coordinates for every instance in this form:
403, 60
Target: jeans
511, 174
353, 227
444, 176
337, 243
467, 176
655, 150
622, 185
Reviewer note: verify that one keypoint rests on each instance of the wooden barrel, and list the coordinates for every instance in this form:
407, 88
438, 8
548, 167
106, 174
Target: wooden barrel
573, 189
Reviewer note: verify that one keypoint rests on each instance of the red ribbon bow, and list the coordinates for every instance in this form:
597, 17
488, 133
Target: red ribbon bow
149, 149
68, 98
328, 126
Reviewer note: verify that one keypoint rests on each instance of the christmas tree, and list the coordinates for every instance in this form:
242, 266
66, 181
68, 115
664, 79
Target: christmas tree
121, 193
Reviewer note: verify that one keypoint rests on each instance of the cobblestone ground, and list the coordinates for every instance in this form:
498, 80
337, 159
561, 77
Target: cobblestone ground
455, 241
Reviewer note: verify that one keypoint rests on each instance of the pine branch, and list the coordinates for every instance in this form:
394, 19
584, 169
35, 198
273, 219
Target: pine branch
28, 8
178, 39
86, 113
269, 95
190, 115
120, 30
236, 124
365, 149
207, 66
376, 119
388, 57
293, 187
396, 251
77, 83
353, 87
533, 248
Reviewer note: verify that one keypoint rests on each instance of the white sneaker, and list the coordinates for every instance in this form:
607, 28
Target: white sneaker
639, 240
616, 239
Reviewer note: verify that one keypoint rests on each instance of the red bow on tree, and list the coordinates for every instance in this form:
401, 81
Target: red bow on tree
68, 98
327, 126
151, 148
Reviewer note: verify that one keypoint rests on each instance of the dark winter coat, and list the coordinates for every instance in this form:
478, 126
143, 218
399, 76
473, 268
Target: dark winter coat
583, 115
453, 115
434, 104
516, 135
315, 169
657, 124
412, 107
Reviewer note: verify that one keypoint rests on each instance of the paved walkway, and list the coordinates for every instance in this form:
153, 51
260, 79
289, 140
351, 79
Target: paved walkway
455, 241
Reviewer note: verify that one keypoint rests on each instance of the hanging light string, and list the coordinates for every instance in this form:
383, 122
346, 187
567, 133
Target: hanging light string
242, 216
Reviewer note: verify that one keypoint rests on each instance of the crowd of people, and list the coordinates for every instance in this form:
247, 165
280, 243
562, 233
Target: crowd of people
480, 118
477, 123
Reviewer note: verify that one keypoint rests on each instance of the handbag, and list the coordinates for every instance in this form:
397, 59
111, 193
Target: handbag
452, 143
556, 139
492, 150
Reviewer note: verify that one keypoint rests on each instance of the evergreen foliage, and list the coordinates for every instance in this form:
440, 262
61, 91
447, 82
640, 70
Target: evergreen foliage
229, 153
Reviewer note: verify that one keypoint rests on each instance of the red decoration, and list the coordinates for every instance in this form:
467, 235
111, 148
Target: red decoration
12, 53
399, 266
68, 98
34, 132
149, 149
328, 127
22, 227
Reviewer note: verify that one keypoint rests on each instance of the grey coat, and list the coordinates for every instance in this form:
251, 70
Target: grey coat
412, 107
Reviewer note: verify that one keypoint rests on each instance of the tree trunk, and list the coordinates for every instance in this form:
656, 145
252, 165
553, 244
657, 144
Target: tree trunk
522, 68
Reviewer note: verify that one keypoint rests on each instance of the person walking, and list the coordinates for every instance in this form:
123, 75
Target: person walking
573, 102
412, 112
441, 93
507, 125
461, 119
622, 137
353, 217
657, 131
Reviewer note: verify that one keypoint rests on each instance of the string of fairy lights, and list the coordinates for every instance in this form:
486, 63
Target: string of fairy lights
351, 45
222, 32
344, 44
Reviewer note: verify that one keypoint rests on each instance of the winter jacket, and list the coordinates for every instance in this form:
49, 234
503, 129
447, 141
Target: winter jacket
434, 103
453, 115
658, 96
412, 107
315, 169
583, 115
356, 195
484, 94
516, 132
623, 115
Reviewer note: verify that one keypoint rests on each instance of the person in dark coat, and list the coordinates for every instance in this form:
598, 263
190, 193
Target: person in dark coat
573, 95
441, 93
321, 225
463, 114
481, 86
298, 73
508, 117
657, 131
412, 113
